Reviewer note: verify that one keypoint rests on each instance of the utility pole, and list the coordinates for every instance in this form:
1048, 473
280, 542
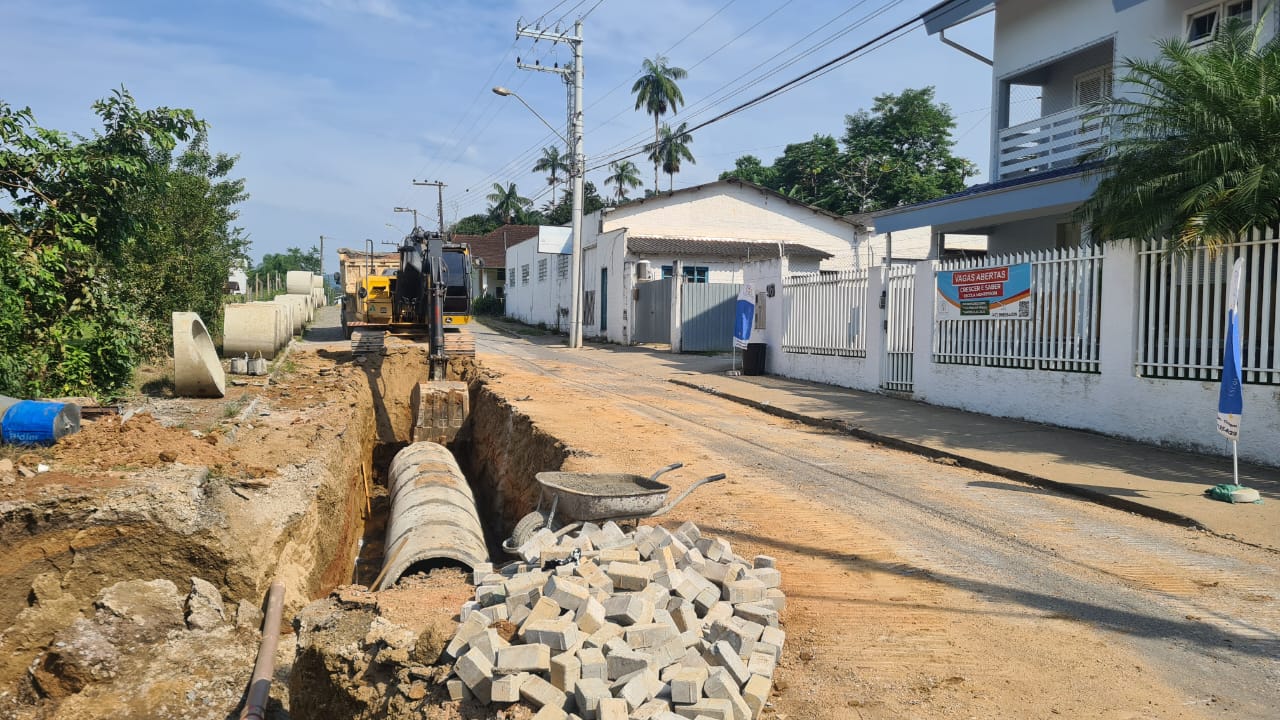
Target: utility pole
439, 186
572, 76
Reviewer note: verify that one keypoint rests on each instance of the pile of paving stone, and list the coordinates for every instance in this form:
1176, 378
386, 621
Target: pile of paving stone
605, 625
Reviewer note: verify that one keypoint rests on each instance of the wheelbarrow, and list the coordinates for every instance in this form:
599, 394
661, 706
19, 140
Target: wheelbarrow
573, 498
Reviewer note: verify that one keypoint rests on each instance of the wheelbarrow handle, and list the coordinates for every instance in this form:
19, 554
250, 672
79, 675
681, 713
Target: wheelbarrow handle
665, 470
685, 494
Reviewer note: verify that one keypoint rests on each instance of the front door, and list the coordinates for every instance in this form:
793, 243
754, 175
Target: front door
604, 300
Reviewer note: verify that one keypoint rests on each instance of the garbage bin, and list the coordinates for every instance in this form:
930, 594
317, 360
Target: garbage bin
753, 359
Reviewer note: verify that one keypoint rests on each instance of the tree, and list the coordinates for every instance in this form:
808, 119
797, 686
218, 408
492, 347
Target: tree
554, 163
478, 224
811, 170
657, 92
624, 175
901, 152
671, 149
291, 259
68, 324
562, 213
751, 169
507, 202
1191, 156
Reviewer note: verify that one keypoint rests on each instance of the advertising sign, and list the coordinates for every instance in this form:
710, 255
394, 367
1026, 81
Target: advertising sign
981, 293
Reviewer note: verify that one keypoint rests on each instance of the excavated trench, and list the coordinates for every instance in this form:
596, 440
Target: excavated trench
318, 521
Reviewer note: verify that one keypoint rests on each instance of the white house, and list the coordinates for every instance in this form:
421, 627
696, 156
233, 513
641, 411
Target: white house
538, 284
1121, 339
705, 234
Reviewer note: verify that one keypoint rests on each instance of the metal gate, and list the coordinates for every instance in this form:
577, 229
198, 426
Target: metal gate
706, 316
653, 312
899, 328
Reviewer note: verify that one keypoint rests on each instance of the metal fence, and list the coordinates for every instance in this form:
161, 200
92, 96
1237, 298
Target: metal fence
653, 312
899, 371
1062, 331
706, 316
1182, 308
826, 313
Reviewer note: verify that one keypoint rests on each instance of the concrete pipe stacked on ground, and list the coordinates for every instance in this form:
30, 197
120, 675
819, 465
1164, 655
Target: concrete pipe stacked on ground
254, 328
433, 519
298, 282
298, 311
197, 372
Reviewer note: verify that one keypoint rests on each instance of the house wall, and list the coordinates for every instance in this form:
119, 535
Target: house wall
608, 251
1032, 234
538, 301
727, 210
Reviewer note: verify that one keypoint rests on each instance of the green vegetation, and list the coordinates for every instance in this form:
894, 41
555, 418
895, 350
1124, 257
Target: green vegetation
1191, 154
657, 92
623, 175
507, 204
487, 305
898, 153
671, 149
101, 237
552, 163
477, 224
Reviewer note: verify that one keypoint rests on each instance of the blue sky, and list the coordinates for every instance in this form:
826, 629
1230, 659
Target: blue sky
335, 106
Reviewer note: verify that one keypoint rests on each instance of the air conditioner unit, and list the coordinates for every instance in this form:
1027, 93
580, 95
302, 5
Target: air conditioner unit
642, 270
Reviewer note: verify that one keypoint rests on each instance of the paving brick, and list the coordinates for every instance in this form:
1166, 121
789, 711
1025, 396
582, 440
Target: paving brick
756, 694
590, 616
480, 572
598, 638
669, 652
761, 663
557, 634
488, 595
506, 688
720, 573
656, 594
538, 692
621, 663
495, 613
691, 531
489, 642
746, 590
691, 558
769, 577
467, 630
628, 609
686, 685
683, 616
763, 561
457, 690
758, 613
650, 635
473, 668
587, 694
651, 710
628, 576
726, 657
626, 554
593, 664
549, 712
774, 597
706, 599
612, 709
566, 669
524, 582
714, 549
711, 708
523, 658
568, 593
719, 687
665, 558
544, 609
637, 688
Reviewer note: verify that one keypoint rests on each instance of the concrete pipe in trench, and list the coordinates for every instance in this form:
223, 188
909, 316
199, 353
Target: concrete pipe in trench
433, 514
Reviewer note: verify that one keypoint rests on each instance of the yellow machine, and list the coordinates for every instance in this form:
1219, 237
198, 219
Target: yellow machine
428, 291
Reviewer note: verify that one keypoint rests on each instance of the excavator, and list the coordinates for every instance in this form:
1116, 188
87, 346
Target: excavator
428, 292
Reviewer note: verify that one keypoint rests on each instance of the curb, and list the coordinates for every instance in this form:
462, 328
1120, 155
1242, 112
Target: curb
1167, 516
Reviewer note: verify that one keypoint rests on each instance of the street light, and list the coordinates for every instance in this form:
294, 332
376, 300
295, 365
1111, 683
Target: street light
499, 90
408, 210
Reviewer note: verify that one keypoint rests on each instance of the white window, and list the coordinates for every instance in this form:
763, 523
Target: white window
524, 274
1203, 22
1093, 86
562, 267
542, 270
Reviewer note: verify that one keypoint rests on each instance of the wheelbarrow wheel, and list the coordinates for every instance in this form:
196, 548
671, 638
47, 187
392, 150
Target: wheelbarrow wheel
528, 525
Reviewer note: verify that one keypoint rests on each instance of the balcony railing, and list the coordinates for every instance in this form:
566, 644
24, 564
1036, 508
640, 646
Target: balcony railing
1052, 141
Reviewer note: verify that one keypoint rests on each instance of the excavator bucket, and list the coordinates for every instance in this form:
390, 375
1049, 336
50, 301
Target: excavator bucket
440, 407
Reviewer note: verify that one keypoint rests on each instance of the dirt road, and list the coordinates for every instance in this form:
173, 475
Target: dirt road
920, 590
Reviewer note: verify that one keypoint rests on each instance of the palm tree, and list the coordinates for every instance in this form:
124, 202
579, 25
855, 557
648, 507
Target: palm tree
507, 203
625, 175
657, 92
671, 149
554, 163
1191, 155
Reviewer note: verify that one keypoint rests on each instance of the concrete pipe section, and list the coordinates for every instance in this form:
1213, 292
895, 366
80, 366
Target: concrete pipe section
252, 328
433, 521
298, 282
197, 372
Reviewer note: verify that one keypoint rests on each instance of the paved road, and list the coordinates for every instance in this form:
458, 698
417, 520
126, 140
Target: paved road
1201, 610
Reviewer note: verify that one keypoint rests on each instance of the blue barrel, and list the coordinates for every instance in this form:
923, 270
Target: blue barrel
37, 422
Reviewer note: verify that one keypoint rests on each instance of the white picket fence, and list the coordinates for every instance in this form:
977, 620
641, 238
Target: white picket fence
900, 290
1182, 308
1063, 330
826, 313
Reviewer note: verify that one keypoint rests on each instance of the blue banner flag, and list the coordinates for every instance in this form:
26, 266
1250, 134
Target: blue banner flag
744, 317
1230, 399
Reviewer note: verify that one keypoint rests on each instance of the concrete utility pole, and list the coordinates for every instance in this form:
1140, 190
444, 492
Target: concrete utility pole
572, 76
439, 186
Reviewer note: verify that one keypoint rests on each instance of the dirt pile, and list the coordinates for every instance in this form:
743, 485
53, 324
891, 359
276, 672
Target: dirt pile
146, 650
139, 442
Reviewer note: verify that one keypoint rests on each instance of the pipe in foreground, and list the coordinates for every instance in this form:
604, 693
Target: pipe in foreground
433, 513
255, 706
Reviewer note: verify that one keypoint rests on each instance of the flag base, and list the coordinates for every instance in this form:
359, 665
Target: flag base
733, 373
1234, 494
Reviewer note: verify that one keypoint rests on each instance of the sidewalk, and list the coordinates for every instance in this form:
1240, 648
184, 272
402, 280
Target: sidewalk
1158, 482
